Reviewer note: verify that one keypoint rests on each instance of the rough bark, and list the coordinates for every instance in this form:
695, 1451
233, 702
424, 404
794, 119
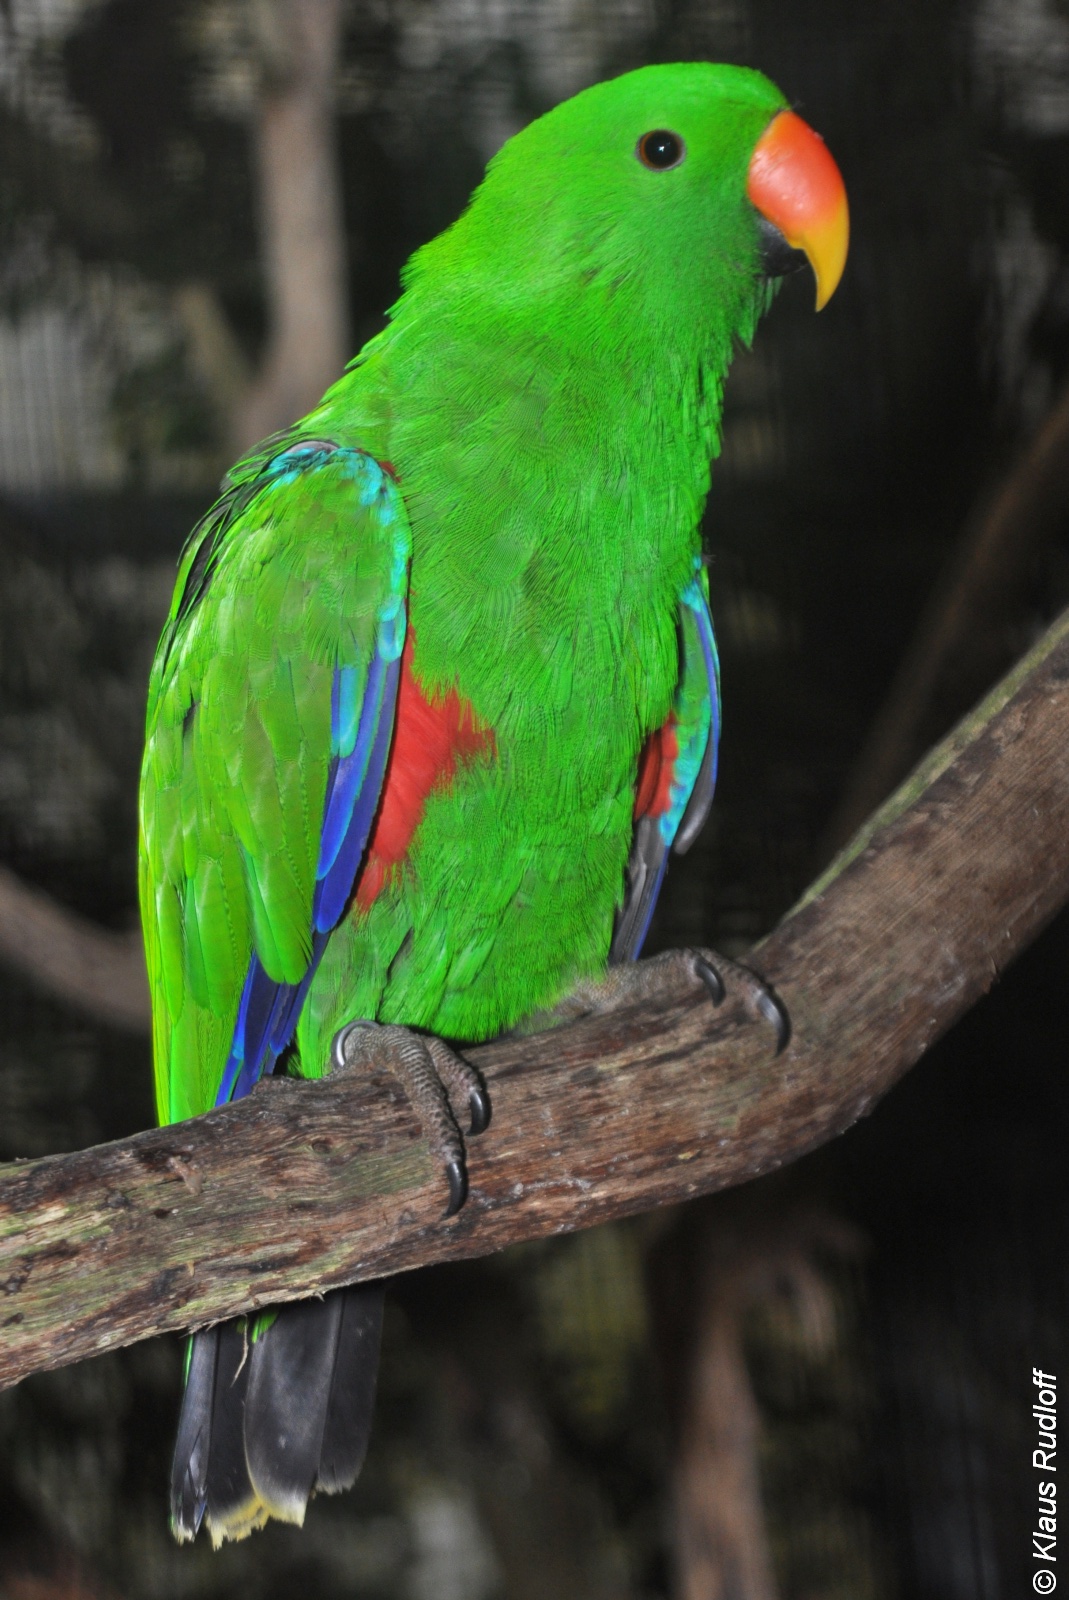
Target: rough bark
305, 1186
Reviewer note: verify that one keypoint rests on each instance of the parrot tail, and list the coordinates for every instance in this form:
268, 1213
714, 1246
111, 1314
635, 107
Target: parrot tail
276, 1407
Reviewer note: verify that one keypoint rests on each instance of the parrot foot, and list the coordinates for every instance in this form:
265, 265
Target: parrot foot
639, 982
758, 996
434, 1078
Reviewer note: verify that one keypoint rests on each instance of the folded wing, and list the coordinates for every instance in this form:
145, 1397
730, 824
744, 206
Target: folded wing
677, 773
270, 718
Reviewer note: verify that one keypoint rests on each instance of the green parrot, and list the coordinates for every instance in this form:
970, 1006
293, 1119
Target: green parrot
439, 693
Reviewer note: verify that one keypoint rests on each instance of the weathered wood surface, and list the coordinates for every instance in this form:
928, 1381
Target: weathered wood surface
303, 1187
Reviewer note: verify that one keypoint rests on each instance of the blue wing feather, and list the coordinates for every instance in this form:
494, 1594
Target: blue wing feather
693, 777
347, 779
268, 1013
354, 797
697, 766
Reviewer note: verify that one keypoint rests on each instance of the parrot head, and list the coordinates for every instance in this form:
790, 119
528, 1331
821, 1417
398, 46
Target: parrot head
692, 185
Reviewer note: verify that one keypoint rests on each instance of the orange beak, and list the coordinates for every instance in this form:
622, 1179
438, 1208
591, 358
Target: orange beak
794, 182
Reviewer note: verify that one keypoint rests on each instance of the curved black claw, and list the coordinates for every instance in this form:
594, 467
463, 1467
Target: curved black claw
481, 1111
773, 1010
763, 997
712, 980
458, 1187
337, 1048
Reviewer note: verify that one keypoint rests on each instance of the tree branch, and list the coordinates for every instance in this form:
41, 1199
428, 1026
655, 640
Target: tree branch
302, 228
758, 1246
302, 1187
101, 973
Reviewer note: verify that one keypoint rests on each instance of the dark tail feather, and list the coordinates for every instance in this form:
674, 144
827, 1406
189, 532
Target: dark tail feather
232, 1501
290, 1376
267, 1421
352, 1393
209, 1475
189, 1472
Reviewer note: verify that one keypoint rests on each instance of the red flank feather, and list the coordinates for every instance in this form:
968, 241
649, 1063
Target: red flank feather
430, 738
655, 768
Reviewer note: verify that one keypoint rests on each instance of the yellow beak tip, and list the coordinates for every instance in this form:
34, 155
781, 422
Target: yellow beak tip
794, 182
826, 248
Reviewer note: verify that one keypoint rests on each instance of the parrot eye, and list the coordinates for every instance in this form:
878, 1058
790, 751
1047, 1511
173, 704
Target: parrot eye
660, 149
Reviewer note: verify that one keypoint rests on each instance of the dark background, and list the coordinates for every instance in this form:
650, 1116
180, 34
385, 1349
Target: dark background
880, 1306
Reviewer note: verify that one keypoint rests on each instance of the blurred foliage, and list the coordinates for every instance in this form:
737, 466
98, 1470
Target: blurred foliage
76, 642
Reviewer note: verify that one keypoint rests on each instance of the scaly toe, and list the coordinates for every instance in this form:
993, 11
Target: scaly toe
461, 1083
428, 1071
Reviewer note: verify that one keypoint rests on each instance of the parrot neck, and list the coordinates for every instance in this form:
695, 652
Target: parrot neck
546, 391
